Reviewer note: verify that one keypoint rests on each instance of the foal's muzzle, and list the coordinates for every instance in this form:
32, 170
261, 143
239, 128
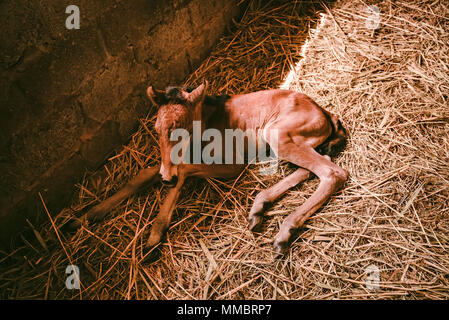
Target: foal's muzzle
170, 183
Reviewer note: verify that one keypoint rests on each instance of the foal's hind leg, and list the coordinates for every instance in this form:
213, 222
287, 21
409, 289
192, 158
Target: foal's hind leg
268, 196
332, 179
144, 177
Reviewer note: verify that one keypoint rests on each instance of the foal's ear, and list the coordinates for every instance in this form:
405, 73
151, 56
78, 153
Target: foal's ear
157, 97
197, 95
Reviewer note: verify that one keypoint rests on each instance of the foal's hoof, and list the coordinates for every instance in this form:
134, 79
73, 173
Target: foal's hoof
281, 245
153, 240
92, 215
280, 248
73, 224
254, 222
153, 254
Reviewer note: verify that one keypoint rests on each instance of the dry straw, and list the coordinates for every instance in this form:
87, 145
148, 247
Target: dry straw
389, 86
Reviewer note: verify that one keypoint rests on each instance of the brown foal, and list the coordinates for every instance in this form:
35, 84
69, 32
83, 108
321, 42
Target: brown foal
306, 135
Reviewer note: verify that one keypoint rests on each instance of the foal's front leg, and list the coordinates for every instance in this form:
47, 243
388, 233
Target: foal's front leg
144, 177
163, 219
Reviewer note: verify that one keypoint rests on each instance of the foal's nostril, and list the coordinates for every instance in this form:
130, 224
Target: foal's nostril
170, 183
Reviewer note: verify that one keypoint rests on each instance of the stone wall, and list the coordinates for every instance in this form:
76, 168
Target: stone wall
69, 97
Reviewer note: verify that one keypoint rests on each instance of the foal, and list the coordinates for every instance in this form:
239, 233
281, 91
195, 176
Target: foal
306, 135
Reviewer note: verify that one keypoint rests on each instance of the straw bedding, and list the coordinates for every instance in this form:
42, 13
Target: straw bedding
389, 87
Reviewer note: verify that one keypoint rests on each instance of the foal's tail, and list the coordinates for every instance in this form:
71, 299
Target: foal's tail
336, 141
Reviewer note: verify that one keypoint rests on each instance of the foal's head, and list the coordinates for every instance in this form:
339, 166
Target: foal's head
178, 108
